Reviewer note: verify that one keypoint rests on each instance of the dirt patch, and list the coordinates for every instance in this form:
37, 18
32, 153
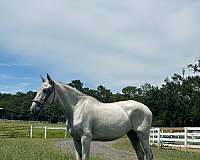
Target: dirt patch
102, 149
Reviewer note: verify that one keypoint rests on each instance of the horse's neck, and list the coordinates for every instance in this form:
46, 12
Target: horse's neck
68, 98
67, 95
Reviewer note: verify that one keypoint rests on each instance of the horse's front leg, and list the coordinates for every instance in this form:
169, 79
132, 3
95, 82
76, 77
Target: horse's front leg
85, 141
77, 149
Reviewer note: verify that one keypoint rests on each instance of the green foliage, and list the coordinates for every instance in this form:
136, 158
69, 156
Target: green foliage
195, 67
77, 84
130, 91
105, 94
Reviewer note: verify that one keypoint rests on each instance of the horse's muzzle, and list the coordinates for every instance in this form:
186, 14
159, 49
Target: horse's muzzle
35, 107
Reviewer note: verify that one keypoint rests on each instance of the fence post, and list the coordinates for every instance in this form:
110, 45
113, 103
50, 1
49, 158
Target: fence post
65, 132
158, 136
150, 137
45, 132
31, 132
185, 142
153, 136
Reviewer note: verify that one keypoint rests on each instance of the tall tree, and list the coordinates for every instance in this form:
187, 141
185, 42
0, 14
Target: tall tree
195, 67
106, 94
77, 84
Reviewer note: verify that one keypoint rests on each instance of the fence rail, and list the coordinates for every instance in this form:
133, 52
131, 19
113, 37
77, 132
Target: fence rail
10, 130
187, 137
46, 130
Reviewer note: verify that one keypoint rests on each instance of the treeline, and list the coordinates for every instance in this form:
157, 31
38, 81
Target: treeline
17, 107
175, 103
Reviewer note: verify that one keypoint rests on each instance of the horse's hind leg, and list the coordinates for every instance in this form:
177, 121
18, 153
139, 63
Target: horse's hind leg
144, 138
135, 141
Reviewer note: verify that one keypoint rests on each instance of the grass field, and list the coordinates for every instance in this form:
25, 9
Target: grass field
21, 129
160, 154
23, 148
15, 143
33, 149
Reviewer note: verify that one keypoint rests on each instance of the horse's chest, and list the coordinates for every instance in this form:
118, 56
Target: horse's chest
75, 130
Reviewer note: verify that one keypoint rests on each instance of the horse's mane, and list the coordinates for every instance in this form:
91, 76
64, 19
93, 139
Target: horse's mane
71, 88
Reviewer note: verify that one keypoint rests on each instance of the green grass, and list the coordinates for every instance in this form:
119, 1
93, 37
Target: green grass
160, 154
21, 129
21, 149
38, 148
33, 149
12, 129
39, 133
24, 148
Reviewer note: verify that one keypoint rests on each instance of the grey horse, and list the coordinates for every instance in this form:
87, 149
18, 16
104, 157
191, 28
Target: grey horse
91, 120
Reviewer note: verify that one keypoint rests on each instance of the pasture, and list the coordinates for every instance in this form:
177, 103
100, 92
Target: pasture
33, 149
21, 129
21, 147
160, 154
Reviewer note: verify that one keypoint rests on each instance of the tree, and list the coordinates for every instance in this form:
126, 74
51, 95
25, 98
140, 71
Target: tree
77, 84
106, 94
195, 67
132, 92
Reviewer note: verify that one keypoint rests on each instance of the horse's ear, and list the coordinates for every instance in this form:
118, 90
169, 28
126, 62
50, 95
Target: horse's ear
49, 79
43, 79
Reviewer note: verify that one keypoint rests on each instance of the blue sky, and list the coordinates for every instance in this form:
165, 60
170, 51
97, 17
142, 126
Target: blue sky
115, 44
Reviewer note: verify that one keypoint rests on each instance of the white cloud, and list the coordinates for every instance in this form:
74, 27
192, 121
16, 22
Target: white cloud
106, 42
11, 77
19, 87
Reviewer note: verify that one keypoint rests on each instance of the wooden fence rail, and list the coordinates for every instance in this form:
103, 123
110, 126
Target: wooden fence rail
187, 137
46, 130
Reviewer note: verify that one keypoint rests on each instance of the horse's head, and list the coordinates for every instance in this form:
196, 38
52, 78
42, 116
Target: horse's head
46, 93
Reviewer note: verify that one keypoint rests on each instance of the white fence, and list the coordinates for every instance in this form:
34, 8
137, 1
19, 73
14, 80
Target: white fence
46, 130
187, 137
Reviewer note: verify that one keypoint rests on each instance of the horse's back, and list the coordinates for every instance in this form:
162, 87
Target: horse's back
131, 106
